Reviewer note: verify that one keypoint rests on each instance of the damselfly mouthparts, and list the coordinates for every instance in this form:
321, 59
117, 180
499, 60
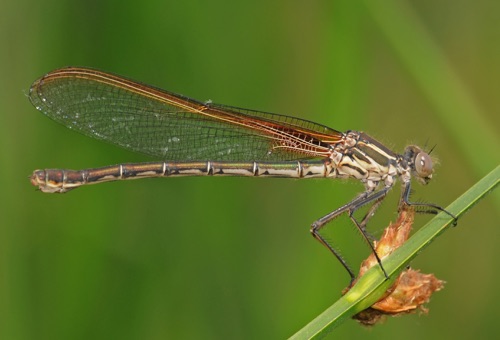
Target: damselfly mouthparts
193, 138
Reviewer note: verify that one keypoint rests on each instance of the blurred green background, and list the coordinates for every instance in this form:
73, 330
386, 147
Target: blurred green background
232, 257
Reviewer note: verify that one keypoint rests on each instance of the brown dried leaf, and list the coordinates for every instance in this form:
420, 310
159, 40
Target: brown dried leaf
411, 289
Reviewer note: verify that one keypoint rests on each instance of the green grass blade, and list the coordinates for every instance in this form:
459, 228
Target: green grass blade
372, 285
421, 55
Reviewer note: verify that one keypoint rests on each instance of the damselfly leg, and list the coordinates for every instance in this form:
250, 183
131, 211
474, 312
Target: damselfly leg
373, 197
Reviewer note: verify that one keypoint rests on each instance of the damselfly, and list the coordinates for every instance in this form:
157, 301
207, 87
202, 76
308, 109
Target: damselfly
193, 138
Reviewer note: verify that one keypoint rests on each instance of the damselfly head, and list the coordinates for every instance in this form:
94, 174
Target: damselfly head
420, 163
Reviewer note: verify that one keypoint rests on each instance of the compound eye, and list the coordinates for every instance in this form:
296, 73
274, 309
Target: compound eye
423, 165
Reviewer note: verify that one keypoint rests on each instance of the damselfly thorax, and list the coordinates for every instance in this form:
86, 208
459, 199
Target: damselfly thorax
193, 138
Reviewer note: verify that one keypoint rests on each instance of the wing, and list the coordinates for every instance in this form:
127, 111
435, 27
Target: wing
168, 126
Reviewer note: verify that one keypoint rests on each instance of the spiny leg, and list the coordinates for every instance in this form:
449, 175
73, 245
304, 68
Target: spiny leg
376, 199
351, 207
371, 212
430, 208
322, 240
319, 224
